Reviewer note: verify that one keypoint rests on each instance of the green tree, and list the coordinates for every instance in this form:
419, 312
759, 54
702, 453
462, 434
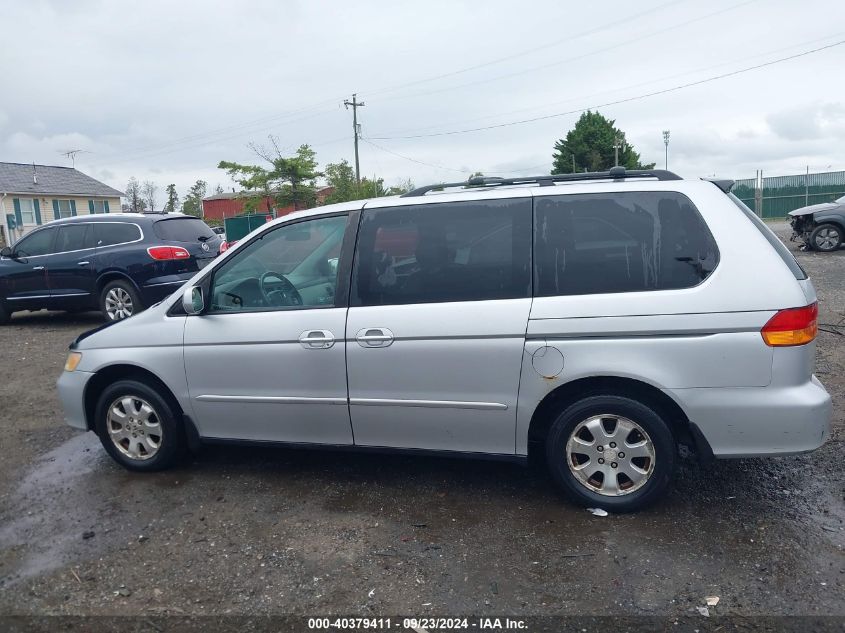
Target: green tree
287, 181
591, 142
172, 199
372, 188
341, 176
403, 186
192, 204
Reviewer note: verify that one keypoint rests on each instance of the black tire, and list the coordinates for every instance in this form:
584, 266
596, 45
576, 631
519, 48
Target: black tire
122, 288
826, 238
171, 432
662, 441
5, 315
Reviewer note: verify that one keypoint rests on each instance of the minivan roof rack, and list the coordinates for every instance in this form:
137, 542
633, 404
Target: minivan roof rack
614, 173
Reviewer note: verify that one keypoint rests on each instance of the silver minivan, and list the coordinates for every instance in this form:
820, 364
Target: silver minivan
598, 321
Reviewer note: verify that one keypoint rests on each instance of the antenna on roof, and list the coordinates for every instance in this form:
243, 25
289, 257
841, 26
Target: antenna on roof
34, 174
71, 154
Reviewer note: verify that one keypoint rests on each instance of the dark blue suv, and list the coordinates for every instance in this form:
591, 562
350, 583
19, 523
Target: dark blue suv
119, 263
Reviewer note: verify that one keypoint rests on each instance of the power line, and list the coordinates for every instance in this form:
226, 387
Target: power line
137, 151
572, 59
460, 171
127, 157
622, 89
528, 51
618, 101
414, 160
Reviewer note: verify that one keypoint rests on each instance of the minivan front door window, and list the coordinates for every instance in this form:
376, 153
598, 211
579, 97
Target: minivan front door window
292, 267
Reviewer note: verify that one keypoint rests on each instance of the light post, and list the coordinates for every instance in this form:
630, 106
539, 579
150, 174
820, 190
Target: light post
666, 143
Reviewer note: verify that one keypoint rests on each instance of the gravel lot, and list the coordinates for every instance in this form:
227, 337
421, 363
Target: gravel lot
256, 531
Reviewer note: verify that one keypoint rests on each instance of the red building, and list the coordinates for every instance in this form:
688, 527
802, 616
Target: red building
228, 205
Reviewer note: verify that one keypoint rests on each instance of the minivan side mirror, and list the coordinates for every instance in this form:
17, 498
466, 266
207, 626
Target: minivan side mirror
6, 252
193, 300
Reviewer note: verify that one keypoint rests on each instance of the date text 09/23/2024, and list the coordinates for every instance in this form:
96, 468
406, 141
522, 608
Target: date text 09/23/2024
417, 624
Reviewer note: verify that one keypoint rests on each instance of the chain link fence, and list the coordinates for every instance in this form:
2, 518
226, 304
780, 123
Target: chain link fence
776, 196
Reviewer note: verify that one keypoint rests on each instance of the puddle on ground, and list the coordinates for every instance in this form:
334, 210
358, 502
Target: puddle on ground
43, 508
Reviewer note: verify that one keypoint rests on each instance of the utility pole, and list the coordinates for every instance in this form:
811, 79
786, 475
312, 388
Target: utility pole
355, 105
618, 143
573, 164
666, 143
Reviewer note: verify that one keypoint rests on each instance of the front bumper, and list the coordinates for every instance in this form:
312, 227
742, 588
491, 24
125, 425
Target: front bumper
759, 421
71, 386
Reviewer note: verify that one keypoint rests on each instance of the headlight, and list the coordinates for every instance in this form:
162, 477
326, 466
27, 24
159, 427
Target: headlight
73, 360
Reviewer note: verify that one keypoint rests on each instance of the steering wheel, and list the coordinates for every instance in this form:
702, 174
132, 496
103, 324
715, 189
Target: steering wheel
285, 294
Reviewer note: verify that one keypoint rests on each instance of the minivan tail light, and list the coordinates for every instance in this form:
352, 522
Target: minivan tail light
168, 252
795, 326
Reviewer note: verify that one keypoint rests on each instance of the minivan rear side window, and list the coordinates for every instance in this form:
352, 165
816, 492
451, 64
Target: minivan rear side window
620, 242
452, 251
111, 233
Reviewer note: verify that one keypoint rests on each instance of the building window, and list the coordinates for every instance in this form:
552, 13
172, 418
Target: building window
64, 208
98, 206
27, 211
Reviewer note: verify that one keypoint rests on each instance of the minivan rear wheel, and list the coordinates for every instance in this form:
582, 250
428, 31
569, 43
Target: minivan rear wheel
139, 427
119, 300
4, 314
826, 237
611, 452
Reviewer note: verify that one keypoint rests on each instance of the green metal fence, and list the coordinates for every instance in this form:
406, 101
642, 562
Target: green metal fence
778, 195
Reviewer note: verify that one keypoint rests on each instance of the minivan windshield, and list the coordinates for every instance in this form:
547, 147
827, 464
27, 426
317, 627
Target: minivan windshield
183, 230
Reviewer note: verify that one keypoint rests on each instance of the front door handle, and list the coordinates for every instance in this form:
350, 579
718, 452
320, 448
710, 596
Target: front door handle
316, 339
82, 263
374, 337
38, 268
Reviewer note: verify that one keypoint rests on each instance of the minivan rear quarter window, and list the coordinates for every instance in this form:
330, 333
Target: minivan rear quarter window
182, 230
620, 242
787, 257
452, 251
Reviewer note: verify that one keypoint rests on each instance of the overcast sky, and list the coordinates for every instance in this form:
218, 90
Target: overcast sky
165, 90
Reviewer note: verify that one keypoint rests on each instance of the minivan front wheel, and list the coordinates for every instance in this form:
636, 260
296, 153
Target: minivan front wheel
826, 237
611, 452
138, 427
119, 300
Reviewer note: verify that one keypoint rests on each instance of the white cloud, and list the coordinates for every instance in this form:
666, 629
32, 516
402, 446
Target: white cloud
163, 91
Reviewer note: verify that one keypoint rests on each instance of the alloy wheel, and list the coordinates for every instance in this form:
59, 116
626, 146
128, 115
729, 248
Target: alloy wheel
134, 427
827, 238
610, 455
118, 304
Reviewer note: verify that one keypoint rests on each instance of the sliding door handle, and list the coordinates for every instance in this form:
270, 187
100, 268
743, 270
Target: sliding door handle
316, 339
374, 337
